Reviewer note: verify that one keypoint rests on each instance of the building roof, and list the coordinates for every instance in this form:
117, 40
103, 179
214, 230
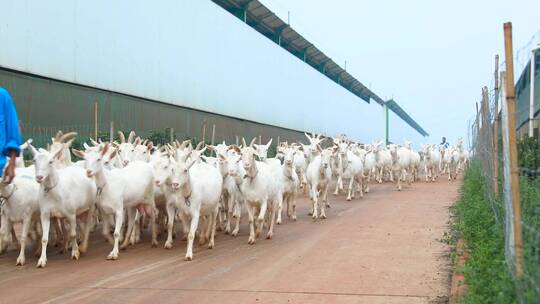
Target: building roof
259, 17
392, 105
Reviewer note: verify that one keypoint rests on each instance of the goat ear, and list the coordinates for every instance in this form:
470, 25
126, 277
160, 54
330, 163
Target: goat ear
191, 163
32, 150
199, 145
93, 142
122, 137
131, 137
59, 153
113, 154
137, 141
105, 149
185, 144
78, 153
221, 157
236, 148
150, 146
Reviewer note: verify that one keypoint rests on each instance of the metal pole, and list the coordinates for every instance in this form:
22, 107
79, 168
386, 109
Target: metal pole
514, 173
204, 131
387, 131
111, 131
213, 133
531, 100
95, 120
496, 131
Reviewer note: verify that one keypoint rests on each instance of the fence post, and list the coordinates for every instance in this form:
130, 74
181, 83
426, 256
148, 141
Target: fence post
514, 171
204, 131
171, 135
213, 133
111, 131
95, 120
496, 131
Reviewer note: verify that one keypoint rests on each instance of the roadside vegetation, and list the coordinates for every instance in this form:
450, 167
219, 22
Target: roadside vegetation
479, 219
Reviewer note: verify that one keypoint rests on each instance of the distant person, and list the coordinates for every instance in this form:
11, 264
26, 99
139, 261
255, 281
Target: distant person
10, 136
444, 143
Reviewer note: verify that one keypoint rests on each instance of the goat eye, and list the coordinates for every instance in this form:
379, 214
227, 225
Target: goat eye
185, 170
50, 162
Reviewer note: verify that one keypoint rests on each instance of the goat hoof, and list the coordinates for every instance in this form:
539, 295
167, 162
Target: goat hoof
211, 245
20, 261
294, 218
154, 244
113, 256
189, 257
251, 241
323, 216
75, 255
269, 236
227, 231
168, 245
278, 222
234, 233
42, 262
348, 199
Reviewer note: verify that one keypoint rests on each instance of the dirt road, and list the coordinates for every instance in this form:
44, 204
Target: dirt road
384, 248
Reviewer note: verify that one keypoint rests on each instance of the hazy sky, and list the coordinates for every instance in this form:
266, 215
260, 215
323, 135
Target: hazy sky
433, 57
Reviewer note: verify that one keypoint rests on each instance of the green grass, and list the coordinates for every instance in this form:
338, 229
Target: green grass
485, 270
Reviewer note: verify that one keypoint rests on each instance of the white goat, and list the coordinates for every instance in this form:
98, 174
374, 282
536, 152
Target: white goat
197, 188
319, 175
64, 193
131, 187
19, 202
261, 191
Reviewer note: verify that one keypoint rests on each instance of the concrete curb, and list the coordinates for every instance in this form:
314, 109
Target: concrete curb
458, 287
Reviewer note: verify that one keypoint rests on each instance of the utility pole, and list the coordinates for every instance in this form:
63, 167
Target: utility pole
387, 132
514, 171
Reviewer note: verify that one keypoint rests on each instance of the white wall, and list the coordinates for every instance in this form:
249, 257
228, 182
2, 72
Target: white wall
184, 52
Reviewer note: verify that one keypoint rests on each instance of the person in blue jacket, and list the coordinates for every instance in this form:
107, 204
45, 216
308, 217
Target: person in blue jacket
10, 136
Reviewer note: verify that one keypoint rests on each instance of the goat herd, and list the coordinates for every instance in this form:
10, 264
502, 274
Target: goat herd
129, 185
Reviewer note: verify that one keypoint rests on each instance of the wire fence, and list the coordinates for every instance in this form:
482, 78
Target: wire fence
515, 203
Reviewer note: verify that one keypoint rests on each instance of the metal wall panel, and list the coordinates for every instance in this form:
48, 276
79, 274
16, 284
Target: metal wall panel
46, 106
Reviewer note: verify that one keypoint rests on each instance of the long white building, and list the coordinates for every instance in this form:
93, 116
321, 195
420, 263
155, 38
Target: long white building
191, 54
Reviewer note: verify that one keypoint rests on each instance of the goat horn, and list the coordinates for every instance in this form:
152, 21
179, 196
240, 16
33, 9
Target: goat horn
122, 137
131, 137
67, 136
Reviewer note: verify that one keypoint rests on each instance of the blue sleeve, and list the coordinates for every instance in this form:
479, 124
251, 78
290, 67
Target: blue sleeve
13, 134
